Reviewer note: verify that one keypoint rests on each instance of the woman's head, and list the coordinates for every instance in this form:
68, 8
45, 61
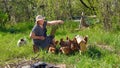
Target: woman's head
40, 19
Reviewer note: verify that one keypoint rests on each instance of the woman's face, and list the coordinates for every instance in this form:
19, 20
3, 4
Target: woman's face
40, 22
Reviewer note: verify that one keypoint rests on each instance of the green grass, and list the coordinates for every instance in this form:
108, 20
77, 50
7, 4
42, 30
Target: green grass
95, 57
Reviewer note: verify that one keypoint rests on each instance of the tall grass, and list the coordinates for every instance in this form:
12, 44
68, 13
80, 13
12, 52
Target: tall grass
95, 57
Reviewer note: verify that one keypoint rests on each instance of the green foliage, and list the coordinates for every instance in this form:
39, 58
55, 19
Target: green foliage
3, 19
21, 11
19, 27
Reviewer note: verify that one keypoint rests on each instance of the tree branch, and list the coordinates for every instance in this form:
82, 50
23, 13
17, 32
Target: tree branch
84, 4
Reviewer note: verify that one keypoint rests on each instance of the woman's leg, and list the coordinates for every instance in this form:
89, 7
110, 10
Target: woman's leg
35, 48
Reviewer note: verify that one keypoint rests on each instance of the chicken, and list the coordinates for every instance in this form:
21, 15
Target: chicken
21, 42
52, 48
65, 46
82, 42
74, 45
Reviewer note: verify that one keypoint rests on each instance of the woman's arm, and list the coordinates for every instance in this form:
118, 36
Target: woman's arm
55, 22
33, 36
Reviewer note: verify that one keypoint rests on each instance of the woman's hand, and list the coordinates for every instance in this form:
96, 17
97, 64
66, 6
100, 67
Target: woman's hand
41, 37
60, 21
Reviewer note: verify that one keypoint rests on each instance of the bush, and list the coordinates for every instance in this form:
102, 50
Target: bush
3, 19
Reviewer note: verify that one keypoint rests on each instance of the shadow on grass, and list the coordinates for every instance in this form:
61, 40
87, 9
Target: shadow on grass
93, 52
16, 28
10, 30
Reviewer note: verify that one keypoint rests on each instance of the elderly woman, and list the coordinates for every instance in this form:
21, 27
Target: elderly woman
38, 33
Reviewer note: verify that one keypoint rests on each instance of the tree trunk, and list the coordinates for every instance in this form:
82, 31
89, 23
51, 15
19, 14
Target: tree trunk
106, 13
70, 8
7, 9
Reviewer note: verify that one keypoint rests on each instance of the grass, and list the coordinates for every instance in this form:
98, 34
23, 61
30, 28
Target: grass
95, 57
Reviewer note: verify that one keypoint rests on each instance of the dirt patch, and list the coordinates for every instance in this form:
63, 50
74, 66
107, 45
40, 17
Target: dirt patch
23, 63
109, 48
106, 47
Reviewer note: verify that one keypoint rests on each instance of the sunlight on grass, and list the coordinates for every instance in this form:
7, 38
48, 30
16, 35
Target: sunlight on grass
9, 49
